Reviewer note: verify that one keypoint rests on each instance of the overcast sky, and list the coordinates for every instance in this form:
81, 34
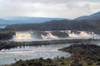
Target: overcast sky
49, 8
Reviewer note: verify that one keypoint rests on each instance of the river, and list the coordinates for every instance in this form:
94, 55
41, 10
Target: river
32, 52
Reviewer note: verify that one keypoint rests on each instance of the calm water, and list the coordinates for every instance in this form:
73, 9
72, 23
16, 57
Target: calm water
3, 26
48, 51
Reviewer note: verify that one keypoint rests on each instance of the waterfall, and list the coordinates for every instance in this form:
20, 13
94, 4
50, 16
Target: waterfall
49, 36
23, 35
82, 34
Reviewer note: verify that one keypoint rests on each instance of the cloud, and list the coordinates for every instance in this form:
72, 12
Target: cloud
49, 8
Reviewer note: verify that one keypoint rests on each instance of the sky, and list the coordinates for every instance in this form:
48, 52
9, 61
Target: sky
49, 8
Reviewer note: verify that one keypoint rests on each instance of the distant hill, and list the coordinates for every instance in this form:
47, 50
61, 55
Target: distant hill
90, 17
6, 22
21, 20
2, 22
33, 19
83, 25
1, 19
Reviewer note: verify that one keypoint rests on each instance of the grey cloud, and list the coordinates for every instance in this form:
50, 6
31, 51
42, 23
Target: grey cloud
48, 8
40, 1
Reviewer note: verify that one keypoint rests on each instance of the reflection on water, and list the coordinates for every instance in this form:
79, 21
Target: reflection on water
20, 52
31, 52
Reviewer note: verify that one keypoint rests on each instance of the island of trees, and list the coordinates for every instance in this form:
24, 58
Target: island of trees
60, 34
6, 35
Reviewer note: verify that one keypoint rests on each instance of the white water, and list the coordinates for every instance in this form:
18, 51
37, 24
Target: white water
49, 36
29, 36
23, 36
82, 34
49, 51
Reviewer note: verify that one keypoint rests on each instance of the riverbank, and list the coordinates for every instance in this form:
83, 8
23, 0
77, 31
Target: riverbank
12, 44
84, 54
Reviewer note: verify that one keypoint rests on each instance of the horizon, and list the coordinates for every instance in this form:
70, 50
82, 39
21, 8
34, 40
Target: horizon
69, 9
7, 17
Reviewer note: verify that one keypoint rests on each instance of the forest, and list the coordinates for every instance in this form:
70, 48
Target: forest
6, 35
83, 25
60, 34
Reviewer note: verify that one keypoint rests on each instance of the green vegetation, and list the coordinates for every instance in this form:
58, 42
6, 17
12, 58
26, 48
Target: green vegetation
5, 35
60, 34
83, 25
40, 62
9, 45
82, 55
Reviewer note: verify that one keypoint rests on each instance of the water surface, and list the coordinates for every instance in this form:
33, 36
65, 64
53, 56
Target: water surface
32, 52
2, 26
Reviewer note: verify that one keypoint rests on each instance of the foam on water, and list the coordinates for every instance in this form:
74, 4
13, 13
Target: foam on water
82, 34
49, 36
28, 36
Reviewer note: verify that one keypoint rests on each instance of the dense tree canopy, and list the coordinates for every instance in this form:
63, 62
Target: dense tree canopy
5, 35
60, 34
84, 25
